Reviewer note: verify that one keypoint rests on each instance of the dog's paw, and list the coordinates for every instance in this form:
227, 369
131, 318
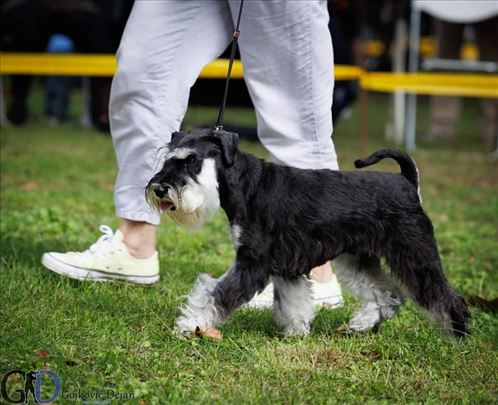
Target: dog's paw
300, 329
184, 326
364, 321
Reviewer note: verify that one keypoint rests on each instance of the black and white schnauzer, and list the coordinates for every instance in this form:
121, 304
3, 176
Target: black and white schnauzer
285, 221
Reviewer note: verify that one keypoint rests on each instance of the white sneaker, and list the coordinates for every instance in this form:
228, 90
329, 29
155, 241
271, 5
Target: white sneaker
262, 300
107, 259
327, 294
324, 295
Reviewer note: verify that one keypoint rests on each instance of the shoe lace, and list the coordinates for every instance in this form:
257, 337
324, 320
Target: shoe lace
102, 241
102, 244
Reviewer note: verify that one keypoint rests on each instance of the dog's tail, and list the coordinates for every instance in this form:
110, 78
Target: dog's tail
407, 164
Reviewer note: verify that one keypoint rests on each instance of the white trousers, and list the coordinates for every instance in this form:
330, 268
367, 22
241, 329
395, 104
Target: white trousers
286, 50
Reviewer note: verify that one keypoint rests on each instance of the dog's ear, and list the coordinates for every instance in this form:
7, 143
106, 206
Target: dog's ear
229, 143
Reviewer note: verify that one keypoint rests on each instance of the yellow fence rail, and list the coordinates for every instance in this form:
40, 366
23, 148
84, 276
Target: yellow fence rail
105, 65
447, 84
468, 50
471, 85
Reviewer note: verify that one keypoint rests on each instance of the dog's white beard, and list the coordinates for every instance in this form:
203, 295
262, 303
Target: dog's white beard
197, 201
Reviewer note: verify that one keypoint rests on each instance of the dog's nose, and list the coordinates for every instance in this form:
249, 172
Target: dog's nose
160, 190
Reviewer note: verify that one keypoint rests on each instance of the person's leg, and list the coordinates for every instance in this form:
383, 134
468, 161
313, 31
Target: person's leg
58, 88
89, 30
24, 29
286, 49
139, 237
164, 47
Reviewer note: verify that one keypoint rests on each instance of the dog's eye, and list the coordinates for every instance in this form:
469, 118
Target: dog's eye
191, 160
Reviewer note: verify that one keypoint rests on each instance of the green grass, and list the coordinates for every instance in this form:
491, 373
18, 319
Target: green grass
56, 188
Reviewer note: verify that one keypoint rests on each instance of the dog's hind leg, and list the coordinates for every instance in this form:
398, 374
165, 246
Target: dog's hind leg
418, 268
293, 305
363, 277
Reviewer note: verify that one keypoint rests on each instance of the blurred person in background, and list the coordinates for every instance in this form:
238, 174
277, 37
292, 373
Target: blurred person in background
58, 88
287, 53
344, 30
27, 26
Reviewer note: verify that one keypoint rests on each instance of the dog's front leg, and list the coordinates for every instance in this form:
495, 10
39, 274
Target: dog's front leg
200, 309
293, 305
212, 300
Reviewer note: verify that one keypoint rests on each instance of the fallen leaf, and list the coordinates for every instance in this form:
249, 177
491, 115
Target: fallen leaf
210, 333
30, 185
342, 328
42, 354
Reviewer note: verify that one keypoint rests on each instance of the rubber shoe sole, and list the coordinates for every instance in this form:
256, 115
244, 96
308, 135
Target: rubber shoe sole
329, 302
78, 273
